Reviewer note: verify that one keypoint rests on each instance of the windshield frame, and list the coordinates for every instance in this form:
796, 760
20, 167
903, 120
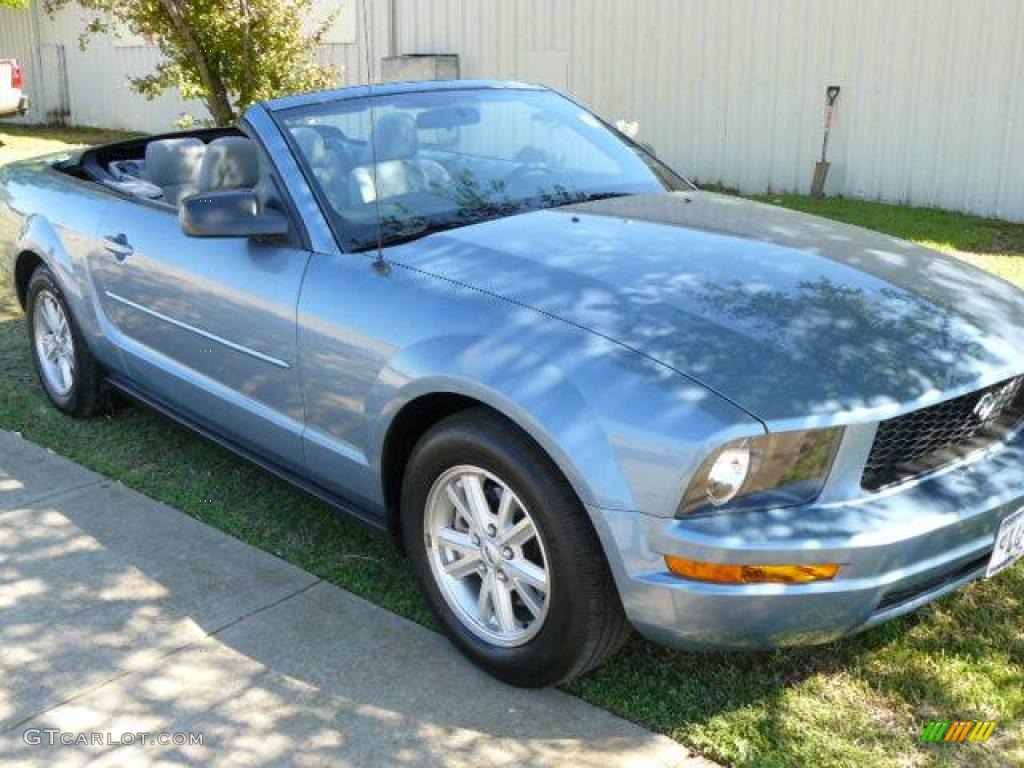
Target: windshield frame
670, 179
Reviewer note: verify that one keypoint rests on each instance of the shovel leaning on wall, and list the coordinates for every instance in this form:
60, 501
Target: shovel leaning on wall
821, 167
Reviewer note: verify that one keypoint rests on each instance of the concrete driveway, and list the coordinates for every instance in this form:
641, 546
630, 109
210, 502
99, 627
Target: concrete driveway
120, 616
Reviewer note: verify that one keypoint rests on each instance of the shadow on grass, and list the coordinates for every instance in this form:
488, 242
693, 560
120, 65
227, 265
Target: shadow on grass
958, 659
948, 229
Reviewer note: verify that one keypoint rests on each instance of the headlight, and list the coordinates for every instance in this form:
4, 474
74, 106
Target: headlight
777, 470
728, 473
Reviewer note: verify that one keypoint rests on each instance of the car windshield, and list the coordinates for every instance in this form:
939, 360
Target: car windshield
395, 167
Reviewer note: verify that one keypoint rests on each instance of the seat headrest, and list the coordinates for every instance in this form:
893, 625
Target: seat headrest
174, 161
311, 143
394, 137
231, 162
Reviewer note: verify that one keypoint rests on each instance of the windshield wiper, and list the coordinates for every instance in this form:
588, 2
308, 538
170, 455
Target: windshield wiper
430, 228
397, 238
592, 197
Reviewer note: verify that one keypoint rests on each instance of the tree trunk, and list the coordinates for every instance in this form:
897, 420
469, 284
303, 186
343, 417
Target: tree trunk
216, 95
248, 82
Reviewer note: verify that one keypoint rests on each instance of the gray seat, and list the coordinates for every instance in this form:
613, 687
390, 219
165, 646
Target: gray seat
231, 162
234, 162
395, 167
326, 163
311, 144
173, 165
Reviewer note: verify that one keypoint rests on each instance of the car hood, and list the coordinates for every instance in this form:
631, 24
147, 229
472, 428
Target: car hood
788, 315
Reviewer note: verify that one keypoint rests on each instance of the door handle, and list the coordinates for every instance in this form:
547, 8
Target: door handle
118, 245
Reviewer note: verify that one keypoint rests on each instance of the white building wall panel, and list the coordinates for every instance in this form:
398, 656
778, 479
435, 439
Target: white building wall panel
730, 91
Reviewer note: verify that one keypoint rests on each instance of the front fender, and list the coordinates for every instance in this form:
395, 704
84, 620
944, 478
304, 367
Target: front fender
626, 432
541, 401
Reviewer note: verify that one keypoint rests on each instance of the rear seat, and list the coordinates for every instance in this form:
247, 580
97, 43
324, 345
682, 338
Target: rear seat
174, 165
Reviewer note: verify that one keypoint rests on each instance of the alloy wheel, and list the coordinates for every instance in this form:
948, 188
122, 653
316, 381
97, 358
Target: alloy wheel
54, 343
487, 556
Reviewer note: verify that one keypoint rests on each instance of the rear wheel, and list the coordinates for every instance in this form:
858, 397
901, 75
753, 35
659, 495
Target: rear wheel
506, 554
67, 370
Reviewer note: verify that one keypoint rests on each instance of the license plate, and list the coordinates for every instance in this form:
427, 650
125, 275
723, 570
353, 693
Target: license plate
1009, 543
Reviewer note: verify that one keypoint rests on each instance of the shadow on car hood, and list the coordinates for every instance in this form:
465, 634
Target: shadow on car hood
791, 316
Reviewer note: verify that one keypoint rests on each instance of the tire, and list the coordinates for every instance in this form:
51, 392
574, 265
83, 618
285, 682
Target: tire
86, 393
581, 618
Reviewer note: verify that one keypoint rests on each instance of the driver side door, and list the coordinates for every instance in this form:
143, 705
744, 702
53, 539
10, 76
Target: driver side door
207, 326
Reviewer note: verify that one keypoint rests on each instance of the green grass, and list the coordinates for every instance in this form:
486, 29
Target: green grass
988, 243
859, 702
21, 141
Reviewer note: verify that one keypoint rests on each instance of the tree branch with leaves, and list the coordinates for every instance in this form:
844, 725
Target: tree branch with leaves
228, 53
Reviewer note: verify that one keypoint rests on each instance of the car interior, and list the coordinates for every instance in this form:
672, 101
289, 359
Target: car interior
351, 174
382, 176
402, 169
166, 169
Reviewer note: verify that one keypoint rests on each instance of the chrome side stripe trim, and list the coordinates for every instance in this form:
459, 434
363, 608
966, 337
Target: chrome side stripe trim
199, 331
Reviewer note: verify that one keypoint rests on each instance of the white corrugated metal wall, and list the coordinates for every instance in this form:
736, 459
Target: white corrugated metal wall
98, 76
732, 91
728, 91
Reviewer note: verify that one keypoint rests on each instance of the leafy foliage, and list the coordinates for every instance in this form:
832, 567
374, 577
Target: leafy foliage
13, 3
229, 53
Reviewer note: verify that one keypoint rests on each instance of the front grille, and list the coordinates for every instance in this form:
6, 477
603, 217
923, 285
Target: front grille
925, 440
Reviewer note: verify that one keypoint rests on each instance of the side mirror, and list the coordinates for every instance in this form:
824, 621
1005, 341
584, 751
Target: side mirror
230, 213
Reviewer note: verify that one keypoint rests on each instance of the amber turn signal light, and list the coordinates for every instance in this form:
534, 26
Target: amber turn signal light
732, 573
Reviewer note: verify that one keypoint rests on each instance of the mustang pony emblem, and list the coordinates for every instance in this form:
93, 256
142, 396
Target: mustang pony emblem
987, 406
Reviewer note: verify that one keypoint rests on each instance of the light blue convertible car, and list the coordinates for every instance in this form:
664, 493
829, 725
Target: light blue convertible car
582, 395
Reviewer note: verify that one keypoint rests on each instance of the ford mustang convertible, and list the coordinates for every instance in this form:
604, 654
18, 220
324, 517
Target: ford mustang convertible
580, 394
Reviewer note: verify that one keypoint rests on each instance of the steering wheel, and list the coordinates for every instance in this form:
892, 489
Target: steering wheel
524, 171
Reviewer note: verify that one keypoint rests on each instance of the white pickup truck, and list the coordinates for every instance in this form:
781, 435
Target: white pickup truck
13, 101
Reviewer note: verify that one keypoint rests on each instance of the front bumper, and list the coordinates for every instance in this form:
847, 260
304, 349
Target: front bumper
899, 549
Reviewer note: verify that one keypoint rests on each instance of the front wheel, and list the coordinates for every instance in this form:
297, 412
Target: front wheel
506, 555
67, 370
